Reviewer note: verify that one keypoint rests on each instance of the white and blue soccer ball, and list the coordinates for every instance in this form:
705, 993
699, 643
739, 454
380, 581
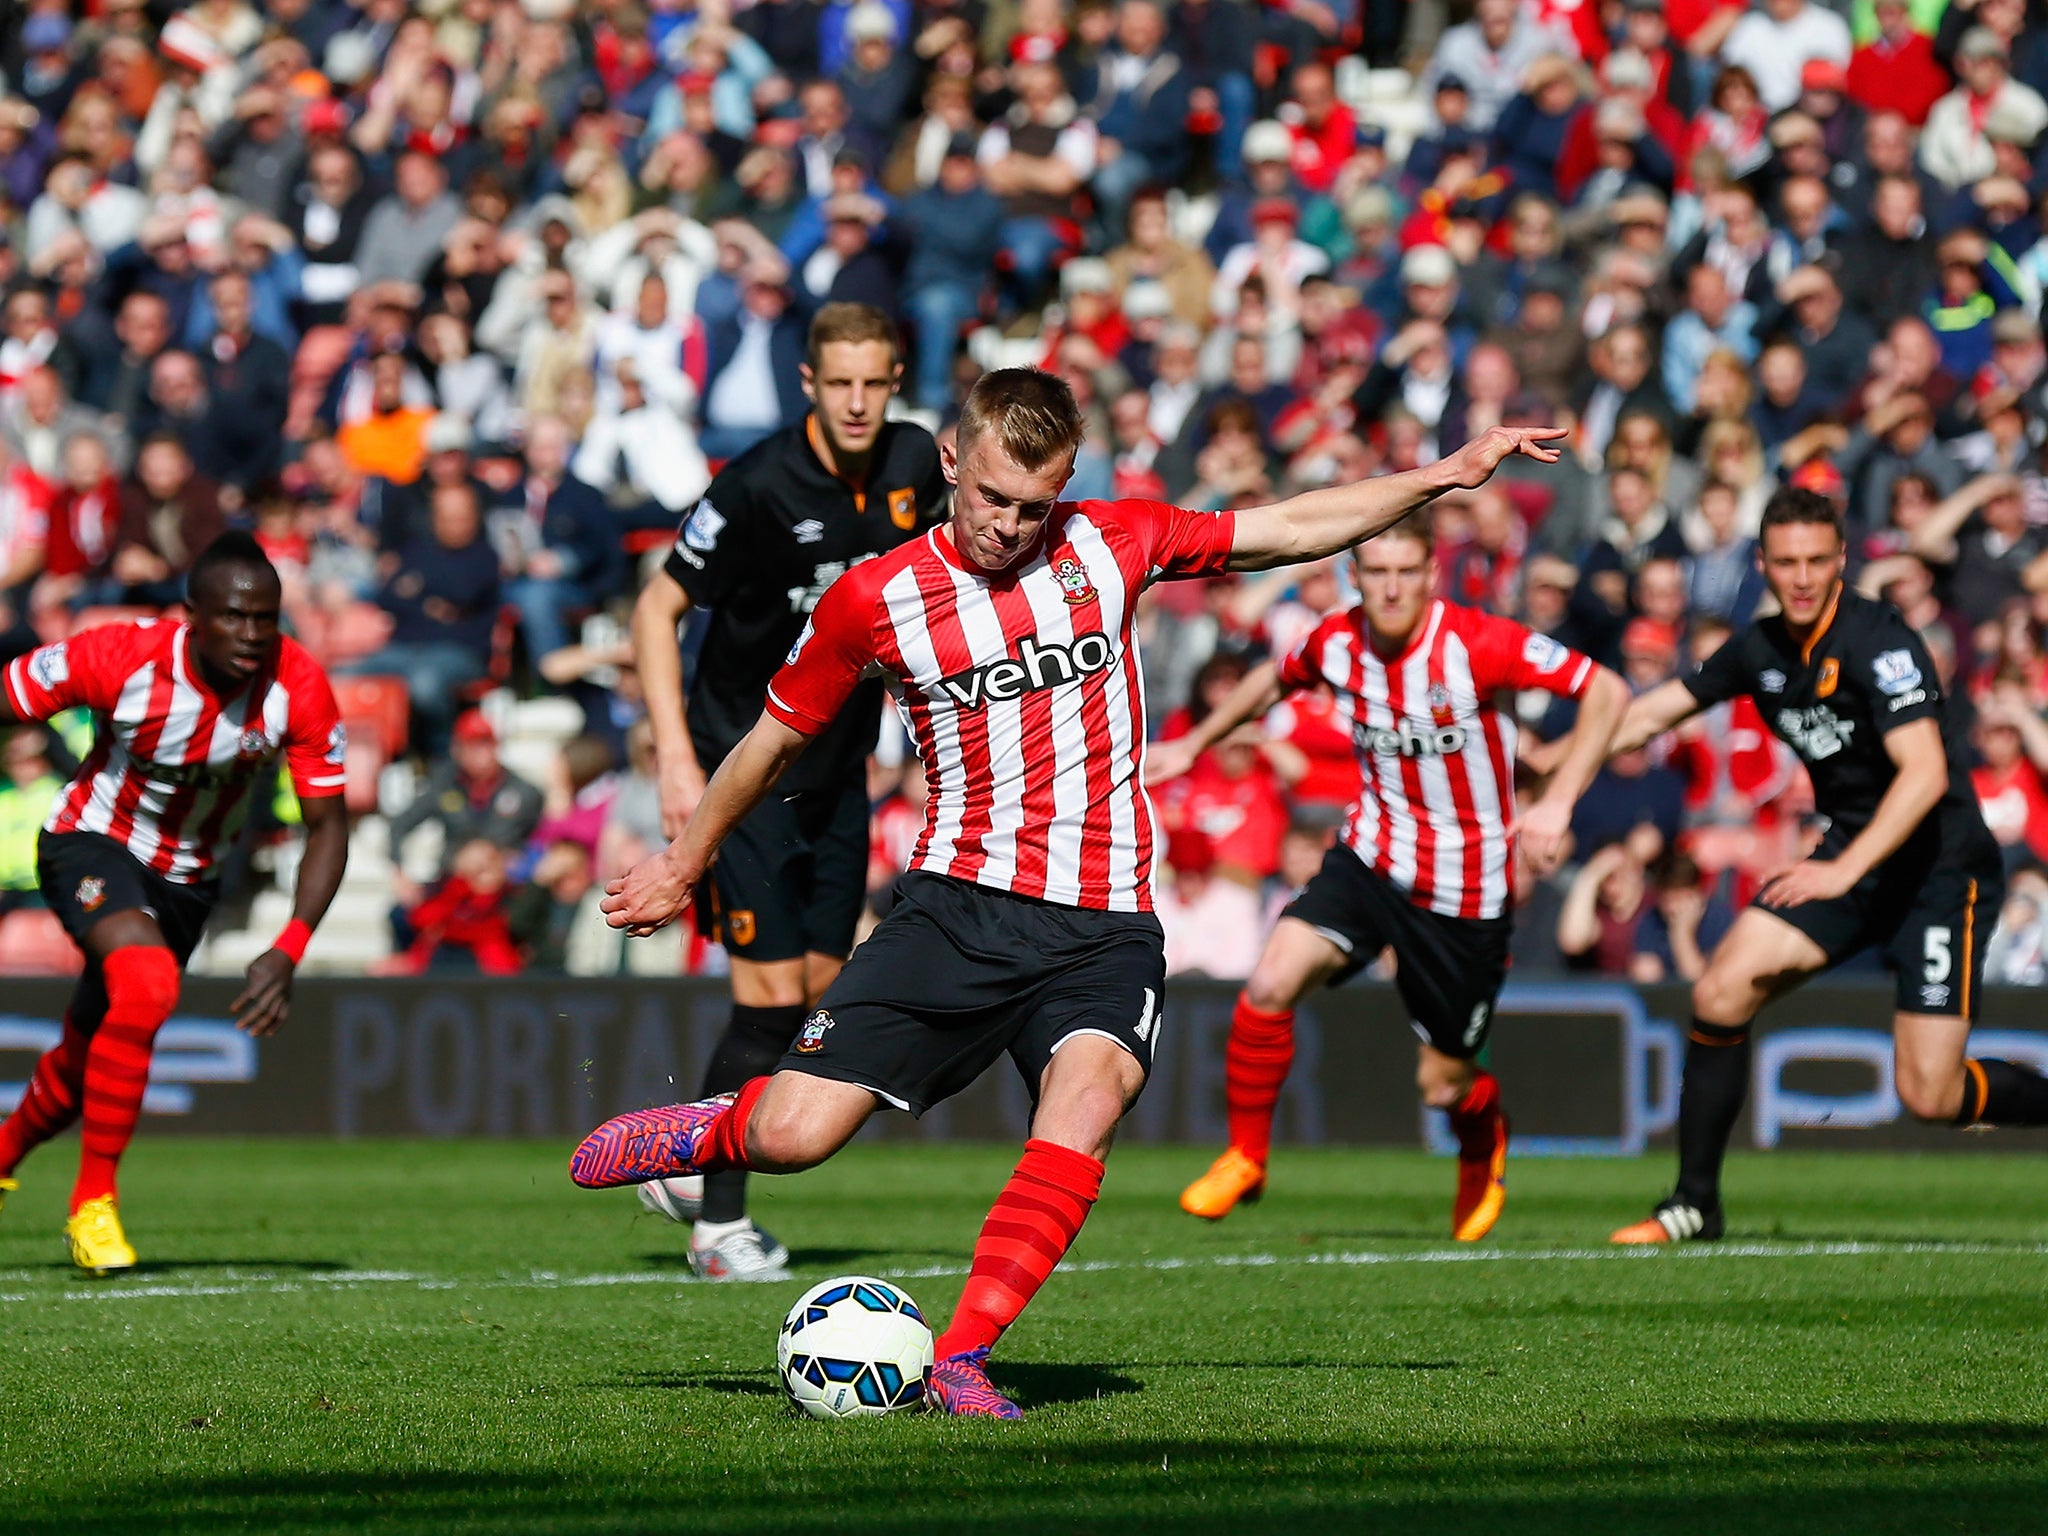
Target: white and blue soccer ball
854, 1347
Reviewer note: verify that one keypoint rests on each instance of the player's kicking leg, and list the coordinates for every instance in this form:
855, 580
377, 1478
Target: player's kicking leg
1297, 959
769, 1001
1762, 957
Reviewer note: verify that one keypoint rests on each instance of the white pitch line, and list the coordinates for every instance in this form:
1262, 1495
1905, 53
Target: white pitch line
542, 1280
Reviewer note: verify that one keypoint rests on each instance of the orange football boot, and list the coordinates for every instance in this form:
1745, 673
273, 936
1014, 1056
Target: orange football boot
1233, 1179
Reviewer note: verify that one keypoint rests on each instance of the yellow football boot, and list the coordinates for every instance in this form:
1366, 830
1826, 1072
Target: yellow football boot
98, 1245
7, 1187
1232, 1179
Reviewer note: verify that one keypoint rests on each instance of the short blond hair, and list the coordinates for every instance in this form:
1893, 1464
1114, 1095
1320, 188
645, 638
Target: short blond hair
1031, 412
1419, 525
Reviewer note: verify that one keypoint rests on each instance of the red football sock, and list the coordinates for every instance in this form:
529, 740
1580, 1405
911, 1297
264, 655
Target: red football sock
51, 1102
1472, 1117
726, 1145
142, 989
1255, 1064
1028, 1231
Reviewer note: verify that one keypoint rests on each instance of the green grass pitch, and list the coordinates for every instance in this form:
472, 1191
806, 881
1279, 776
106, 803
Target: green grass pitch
385, 1337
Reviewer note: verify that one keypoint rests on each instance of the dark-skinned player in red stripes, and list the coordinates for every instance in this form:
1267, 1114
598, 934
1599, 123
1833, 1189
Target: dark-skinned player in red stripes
189, 719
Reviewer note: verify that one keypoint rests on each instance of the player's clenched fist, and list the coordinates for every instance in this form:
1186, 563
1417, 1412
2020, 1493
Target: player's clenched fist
650, 895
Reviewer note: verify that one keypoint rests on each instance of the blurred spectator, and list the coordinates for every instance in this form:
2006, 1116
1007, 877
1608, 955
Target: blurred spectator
1603, 910
2013, 742
1490, 55
30, 789
470, 796
1211, 922
1683, 925
557, 545
543, 914
1139, 101
1775, 42
1632, 797
1896, 71
389, 440
954, 231
403, 232
2018, 952
1035, 158
463, 926
169, 512
1988, 108
753, 385
641, 456
84, 523
442, 596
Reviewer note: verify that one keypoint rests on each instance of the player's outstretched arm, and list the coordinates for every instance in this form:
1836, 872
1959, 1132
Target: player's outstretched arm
266, 996
1651, 714
1258, 691
1548, 822
659, 661
654, 892
1916, 750
1316, 524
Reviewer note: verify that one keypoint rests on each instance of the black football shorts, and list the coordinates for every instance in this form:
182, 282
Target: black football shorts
1449, 969
86, 877
791, 878
1931, 920
958, 975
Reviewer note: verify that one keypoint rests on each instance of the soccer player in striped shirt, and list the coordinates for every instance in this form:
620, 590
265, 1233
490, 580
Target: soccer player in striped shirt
189, 719
1424, 863
1024, 926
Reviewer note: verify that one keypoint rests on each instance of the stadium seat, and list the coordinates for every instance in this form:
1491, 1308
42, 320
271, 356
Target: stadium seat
33, 943
359, 629
374, 709
639, 541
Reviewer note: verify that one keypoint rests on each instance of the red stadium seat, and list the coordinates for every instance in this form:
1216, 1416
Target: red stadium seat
376, 710
34, 943
639, 541
360, 629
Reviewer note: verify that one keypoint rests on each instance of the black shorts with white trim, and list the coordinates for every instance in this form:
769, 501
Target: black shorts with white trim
958, 975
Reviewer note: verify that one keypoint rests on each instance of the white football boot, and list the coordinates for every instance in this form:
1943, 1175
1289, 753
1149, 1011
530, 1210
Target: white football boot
736, 1250
679, 1199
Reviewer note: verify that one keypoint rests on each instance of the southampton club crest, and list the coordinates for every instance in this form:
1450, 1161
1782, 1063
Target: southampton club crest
1072, 576
812, 1040
92, 893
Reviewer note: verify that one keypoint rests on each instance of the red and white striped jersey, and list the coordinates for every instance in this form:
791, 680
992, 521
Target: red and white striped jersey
172, 763
1022, 691
1436, 814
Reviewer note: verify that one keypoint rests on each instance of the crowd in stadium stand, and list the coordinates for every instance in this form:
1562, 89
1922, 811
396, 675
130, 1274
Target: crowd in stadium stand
458, 304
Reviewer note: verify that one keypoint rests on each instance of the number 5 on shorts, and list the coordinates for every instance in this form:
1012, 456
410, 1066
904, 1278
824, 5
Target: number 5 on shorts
1939, 959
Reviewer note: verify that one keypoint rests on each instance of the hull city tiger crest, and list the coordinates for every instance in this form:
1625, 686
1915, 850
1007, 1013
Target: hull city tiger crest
1072, 576
903, 508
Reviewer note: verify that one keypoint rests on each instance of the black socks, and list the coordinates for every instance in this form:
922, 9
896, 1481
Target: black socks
1716, 1079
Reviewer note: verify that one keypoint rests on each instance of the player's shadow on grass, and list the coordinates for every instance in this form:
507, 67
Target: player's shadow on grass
1041, 1384
157, 1269
836, 1258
